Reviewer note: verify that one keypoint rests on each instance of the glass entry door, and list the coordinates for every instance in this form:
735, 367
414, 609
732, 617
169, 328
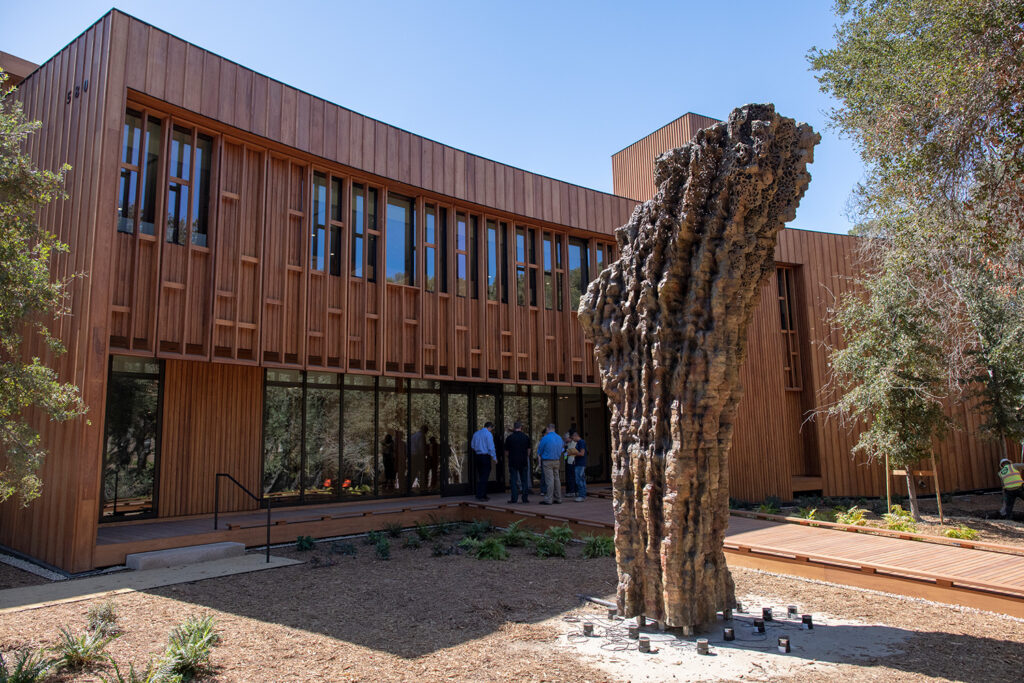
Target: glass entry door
466, 409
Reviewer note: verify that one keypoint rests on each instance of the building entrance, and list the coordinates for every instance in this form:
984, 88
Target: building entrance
467, 408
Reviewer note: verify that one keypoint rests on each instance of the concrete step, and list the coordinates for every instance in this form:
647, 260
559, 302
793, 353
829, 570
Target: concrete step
176, 557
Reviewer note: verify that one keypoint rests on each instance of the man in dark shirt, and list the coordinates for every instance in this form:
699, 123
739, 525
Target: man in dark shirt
580, 466
517, 451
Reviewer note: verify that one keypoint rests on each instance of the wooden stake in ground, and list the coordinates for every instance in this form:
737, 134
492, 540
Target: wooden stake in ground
669, 324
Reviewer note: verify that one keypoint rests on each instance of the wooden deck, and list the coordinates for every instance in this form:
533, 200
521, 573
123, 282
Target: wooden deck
966, 576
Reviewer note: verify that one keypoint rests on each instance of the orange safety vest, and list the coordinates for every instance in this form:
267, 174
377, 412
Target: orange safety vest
1011, 477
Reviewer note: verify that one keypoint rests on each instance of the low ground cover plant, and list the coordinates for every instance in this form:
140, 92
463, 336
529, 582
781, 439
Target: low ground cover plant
75, 652
393, 529
382, 548
189, 647
963, 532
854, 516
305, 543
549, 547
598, 546
25, 666
562, 534
898, 519
515, 536
103, 619
478, 528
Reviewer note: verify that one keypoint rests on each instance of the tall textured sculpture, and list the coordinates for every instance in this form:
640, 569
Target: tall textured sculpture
669, 325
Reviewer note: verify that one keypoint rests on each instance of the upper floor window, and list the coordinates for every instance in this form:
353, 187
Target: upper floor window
435, 248
337, 224
364, 232
579, 276
497, 272
466, 267
521, 286
140, 165
788, 324
318, 233
188, 186
401, 240
554, 278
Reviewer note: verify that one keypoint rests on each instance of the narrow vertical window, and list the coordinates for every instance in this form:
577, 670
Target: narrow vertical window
442, 233
336, 225
521, 265
578, 276
461, 254
318, 221
531, 248
150, 171
788, 326
599, 262
201, 191
180, 175
429, 247
503, 260
401, 240
549, 286
559, 274
358, 228
474, 257
493, 289
128, 190
372, 233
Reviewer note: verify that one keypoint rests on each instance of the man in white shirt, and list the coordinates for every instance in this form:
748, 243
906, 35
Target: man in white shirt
482, 445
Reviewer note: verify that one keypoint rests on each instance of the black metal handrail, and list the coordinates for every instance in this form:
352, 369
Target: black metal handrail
216, 503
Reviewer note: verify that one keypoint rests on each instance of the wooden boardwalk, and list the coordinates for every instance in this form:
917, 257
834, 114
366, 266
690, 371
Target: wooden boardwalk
973, 577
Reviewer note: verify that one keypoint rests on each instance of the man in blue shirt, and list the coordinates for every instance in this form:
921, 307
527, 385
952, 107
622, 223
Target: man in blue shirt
579, 464
482, 445
549, 450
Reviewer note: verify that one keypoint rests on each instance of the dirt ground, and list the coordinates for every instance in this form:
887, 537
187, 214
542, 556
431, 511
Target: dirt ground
425, 618
12, 577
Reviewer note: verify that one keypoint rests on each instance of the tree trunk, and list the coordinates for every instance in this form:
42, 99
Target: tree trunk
669, 324
912, 495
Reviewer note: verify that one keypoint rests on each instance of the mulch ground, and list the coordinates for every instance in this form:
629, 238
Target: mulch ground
425, 618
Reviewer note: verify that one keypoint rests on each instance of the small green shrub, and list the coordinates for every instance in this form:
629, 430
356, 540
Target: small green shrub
425, 532
440, 525
470, 545
373, 538
383, 549
491, 549
562, 534
515, 536
854, 516
188, 652
478, 528
393, 529
549, 547
440, 549
898, 519
807, 513
598, 546
155, 672
962, 531
77, 652
305, 543
103, 619
342, 548
412, 542
29, 666
769, 508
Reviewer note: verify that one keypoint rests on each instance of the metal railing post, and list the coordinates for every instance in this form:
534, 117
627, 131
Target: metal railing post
268, 530
216, 503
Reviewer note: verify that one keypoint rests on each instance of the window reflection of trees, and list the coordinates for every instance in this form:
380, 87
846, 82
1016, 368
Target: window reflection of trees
131, 440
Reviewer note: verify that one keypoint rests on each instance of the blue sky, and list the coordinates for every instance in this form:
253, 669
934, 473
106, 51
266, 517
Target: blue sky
552, 87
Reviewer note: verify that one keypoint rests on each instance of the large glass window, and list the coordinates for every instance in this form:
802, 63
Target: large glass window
282, 434
131, 438
323, 434
359, 464
425, 441
140, 157
541, 412
188, 176
401, 240
392, 400
318, 220
579, 275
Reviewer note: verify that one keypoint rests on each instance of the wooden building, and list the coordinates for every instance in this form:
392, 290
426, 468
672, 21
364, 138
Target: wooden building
325, 306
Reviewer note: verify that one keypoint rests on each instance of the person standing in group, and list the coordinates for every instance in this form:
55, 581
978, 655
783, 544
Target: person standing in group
1013, 485
580, 466
517, 452
482, 445
570, 475
550, 452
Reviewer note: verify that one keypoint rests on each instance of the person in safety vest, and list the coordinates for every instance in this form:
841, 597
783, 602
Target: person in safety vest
1013, 485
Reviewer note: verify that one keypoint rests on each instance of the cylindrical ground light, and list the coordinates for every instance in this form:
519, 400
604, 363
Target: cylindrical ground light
792, 612
766, 613
645, 644
634, 632
728, 634
588, 629
784, 644
808, 622
759, 625
702, 646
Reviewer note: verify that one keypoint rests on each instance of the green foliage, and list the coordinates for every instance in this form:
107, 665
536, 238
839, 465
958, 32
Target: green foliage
549, 547
103, 619
491, 549
189, 647
769, 508
77, 652
561, 534
155, 672
964, 532
373, 538
515, 536
305, 543
898, 519
854, 516
342, 548
412, 542
478, 528
598, 546
29, 666
383, 549
425, 532
440, 549
807, 513
393, 529
470, 545
29, 300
